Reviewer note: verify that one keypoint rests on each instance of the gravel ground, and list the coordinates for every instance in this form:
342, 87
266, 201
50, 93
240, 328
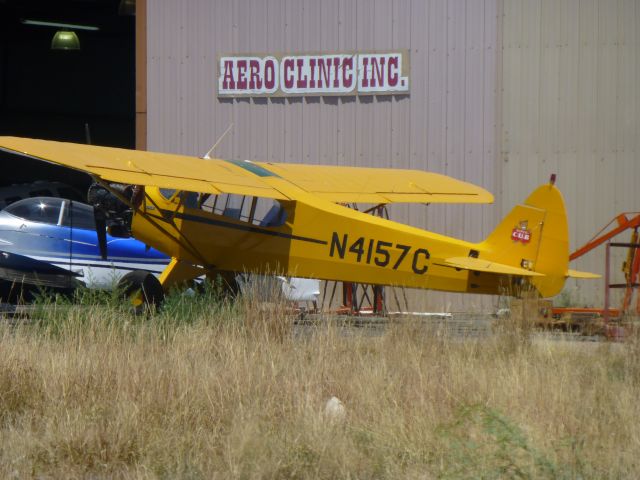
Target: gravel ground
456, 325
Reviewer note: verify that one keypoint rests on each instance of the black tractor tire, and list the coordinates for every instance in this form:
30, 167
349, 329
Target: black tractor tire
142, 289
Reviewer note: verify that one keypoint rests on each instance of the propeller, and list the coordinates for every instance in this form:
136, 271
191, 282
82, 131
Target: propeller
101, 230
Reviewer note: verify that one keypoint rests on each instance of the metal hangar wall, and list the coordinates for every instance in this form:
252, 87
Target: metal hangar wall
502, 94
446, 123
571, 105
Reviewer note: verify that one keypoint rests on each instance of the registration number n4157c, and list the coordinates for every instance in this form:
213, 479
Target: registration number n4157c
379, 252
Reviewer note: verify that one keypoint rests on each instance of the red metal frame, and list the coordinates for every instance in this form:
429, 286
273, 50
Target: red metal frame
631, 269
614, 312
624, 223
631, 266
607, 279
350, 291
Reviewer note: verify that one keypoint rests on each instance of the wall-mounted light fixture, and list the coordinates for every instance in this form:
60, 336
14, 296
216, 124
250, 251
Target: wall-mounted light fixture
65, 40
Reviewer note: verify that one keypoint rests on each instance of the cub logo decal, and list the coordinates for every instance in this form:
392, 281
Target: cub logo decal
521, 233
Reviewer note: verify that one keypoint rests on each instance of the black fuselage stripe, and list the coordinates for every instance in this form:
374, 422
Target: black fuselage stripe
245, 228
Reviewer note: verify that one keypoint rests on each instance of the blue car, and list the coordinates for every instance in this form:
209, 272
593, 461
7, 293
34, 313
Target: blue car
52, 242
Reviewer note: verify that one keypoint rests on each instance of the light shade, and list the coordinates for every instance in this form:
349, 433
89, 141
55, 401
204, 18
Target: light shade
65, 40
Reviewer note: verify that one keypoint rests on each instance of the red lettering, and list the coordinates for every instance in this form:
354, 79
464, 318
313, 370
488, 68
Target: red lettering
302, 80
312, 80
242, 70
269, 74
523, 236
324, 72
347, 81
392, 73
336, 65
377, 70
288, 74
365, 78
227, 81
254, 76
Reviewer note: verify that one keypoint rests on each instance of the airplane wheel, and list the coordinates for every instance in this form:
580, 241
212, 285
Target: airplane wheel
142, 289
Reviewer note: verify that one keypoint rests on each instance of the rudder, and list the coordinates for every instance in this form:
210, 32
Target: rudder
535, 235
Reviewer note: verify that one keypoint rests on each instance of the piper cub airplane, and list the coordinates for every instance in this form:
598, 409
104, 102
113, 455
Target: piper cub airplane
213, 216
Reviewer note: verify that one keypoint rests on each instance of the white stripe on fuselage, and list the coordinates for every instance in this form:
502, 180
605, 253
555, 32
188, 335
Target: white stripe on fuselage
98, 273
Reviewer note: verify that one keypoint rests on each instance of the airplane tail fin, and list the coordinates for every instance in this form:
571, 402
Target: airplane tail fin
535, 236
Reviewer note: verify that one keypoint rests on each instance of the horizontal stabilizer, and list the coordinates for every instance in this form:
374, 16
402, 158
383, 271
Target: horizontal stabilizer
479, 265
579, 274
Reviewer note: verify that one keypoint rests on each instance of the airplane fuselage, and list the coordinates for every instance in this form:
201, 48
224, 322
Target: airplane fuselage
306, 232
317, 239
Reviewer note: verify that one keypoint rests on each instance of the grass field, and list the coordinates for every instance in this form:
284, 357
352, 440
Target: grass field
207, 389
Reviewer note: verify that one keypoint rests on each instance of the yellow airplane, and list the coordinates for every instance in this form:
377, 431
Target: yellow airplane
213, 216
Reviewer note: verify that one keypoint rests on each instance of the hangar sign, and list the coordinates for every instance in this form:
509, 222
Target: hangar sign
306, 75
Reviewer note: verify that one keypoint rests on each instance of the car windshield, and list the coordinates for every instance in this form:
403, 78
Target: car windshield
38, 209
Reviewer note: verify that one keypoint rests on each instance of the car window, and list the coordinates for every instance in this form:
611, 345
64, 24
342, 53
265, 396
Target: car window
79, 215
43, 210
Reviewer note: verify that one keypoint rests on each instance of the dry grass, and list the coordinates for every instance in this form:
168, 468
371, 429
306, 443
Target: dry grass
209, 390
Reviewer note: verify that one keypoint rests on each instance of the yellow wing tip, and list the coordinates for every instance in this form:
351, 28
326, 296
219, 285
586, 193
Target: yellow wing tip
582, 275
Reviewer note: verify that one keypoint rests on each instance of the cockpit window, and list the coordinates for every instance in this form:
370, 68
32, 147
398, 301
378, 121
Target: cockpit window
264, 212
40, 209
189, 199
78, 215
275, 217
168, 192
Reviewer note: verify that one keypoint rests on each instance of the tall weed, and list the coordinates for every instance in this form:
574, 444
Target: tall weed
208, 387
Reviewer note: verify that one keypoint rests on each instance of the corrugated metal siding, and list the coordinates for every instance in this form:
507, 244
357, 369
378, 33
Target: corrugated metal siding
447, 124
571, 105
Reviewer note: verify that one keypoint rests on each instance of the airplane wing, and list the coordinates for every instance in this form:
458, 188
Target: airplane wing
137, 167
378, 185
21, 269
181, 172
480, 265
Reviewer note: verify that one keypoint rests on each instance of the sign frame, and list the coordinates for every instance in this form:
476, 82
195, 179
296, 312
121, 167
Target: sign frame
403, 73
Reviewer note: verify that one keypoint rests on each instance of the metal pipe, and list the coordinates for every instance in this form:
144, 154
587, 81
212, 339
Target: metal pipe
606, 284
